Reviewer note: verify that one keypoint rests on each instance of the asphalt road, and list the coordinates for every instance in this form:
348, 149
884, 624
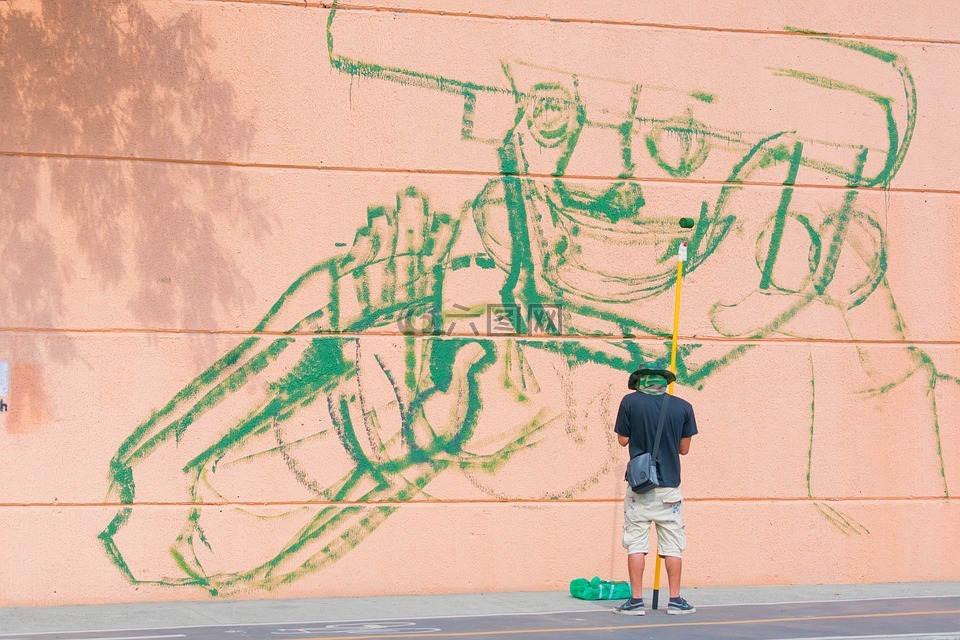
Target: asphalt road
935, 618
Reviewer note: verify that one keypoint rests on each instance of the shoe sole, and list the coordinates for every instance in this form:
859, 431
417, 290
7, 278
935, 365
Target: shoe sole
678, 612
635, 612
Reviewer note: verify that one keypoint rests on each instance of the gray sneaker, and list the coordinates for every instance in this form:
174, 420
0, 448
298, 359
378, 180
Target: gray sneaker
632, 607
679, 606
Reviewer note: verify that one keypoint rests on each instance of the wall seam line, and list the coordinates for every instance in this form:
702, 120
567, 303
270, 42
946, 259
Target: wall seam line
384, 334
464, 502
575, 20
462, 173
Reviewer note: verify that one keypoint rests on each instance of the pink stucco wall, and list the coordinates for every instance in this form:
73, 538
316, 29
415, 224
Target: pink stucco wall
224, 227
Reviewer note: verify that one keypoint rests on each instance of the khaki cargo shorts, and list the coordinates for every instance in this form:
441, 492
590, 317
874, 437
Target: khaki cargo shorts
664, 508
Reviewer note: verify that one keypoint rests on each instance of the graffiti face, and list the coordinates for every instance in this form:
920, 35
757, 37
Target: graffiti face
602, 246
357, 425
573, 223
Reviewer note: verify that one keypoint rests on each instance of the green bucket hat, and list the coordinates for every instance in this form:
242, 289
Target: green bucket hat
634, 378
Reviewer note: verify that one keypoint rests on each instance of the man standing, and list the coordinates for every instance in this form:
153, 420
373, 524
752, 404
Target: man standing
637, 427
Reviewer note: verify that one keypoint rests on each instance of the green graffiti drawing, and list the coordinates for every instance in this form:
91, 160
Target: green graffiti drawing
363, 424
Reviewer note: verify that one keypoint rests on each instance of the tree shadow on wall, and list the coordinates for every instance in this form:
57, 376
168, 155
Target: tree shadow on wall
116, 79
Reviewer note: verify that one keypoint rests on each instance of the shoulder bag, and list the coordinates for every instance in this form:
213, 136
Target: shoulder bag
642, 474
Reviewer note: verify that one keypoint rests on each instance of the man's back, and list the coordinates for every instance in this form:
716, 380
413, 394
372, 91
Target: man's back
637, 420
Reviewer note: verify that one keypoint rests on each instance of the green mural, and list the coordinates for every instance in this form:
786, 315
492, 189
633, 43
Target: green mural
302, 383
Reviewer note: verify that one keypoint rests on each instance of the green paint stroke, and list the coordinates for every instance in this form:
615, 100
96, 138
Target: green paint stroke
777, 235
694, 138
898, 142
703, 96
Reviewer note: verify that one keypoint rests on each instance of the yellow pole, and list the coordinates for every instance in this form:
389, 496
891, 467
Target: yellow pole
676, 316
681, 257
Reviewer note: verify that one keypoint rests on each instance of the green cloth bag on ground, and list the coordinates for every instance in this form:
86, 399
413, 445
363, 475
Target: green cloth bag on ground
597, 589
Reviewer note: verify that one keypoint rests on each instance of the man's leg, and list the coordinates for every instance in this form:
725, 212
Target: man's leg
674, 566
636, 540
671, 541
635, 564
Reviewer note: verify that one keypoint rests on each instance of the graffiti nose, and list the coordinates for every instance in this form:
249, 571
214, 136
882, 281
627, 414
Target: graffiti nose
617, 202
622, 200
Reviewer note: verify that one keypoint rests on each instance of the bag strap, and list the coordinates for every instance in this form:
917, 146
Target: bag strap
663, 415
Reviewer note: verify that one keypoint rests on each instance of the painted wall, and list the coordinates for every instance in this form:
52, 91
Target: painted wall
340, 300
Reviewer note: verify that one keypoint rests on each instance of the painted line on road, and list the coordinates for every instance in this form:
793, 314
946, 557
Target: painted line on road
939, 635
27, 636
724, 623
836, 601
175, 635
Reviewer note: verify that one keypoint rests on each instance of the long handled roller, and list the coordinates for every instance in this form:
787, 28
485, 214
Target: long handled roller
686, 223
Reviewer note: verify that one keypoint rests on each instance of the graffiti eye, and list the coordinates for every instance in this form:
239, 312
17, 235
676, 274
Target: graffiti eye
551, 114
679, 145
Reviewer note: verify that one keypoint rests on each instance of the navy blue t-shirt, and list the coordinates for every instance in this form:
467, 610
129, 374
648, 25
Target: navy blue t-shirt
637, 420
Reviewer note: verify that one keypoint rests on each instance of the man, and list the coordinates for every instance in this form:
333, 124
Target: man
636, 426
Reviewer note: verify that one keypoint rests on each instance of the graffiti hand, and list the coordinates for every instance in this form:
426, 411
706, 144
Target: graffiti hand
391, 270
393, 266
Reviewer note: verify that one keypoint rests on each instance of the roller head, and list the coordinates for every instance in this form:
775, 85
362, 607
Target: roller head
687, 223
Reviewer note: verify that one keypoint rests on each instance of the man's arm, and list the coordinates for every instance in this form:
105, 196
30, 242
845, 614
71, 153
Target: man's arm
622, 426
689, 430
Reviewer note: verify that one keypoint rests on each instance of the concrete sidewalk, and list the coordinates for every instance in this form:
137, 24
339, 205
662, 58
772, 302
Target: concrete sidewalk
115, 617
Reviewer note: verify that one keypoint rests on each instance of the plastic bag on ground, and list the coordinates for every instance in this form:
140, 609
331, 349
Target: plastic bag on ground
597, 589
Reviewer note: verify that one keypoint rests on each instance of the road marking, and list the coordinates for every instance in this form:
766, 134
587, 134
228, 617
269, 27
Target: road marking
361, 628
469, 634
940, 635
838, 600
175, 635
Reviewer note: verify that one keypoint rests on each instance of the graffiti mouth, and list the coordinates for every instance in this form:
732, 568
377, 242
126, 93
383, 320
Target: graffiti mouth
618, 207
604, 262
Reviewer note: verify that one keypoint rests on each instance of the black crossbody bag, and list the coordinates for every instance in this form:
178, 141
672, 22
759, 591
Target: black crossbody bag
642, 474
